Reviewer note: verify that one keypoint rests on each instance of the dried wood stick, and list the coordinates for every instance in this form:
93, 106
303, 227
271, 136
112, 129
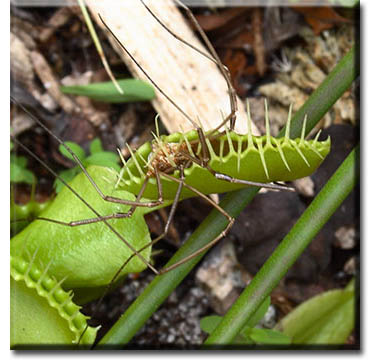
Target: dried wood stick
191, 80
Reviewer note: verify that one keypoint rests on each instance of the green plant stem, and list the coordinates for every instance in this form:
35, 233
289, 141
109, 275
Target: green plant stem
162, 286
98, 46
310, 223
154, 295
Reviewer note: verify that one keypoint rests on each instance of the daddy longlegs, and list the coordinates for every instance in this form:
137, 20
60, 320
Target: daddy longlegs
161, 164
165, 160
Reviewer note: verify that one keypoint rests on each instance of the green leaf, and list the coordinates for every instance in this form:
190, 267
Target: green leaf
269, 337
327, 318
77, 149
18, 171
259, 314
209, 323
98, 157
67, 176
19, 174
21, 161
102, 157
96, 146
243, 337
133, 90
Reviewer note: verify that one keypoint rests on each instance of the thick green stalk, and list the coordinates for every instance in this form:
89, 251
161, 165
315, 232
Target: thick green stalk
153, 296
162, 286
313, 219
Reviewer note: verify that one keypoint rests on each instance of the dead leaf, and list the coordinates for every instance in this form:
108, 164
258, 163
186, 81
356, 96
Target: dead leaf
214, 21
321, 18
242, 40
236, 62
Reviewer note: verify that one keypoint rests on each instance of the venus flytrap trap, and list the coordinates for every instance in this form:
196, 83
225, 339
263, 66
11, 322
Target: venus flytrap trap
86, 256
258, 159
147, 175
84, 259
42, 312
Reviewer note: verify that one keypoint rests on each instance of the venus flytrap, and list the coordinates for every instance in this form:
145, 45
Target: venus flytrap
86, 256
258, 159
42, 312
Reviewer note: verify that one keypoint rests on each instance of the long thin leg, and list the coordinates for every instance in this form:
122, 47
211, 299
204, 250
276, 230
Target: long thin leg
96, 219
169, 220
224, 177
127, 214
148, 76
172, 211
158, 202
178, 37
272, 186
196, 253
230, 219
200, 131
182, 184
80, 165
214, 58
87, 204
222, 67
